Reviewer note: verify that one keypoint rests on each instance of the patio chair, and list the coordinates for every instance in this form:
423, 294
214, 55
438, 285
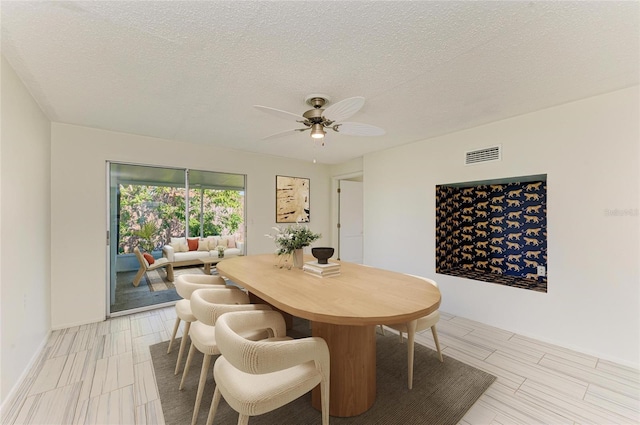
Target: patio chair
145, 267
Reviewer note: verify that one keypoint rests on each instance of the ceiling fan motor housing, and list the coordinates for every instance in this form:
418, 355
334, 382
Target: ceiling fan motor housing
314, 115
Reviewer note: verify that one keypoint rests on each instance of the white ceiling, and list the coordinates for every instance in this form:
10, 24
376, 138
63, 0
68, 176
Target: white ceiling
191, 71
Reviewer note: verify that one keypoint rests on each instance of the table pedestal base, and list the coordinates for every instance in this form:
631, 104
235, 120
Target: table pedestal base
353, 368
288, 319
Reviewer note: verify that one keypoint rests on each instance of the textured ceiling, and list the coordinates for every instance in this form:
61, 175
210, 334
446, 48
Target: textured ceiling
191, 71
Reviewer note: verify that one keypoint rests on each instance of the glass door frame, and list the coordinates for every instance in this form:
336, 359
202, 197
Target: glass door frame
112, 228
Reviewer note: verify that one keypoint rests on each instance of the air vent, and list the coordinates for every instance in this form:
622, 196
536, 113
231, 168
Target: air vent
490, 154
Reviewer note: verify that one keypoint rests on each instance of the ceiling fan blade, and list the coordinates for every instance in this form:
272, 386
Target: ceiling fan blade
280, 114
359, 129
284, 133
343, 109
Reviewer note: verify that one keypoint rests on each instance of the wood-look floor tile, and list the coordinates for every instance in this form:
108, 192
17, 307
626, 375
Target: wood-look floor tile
112, 373
446, 316
103, 328
592, 375
571, 386
63, 345
119, 324
491, 334
426, 338
84, 340
519, 409
626, 372
508, 347
574, 409
481, 327
150, 414
460, 344
168, 327
74, 369
49, 375
51, 407
117, 343
12, 407
505, 376
453, 328
613, 401
39, 363
80, 415
141, 346
101, 373
146, 325
89, 369
145, 388
479, 414
565, 353
114, 407
53, 337
167, 313
503, 420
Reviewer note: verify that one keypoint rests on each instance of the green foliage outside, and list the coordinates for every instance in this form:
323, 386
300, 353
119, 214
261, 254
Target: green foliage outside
160, 210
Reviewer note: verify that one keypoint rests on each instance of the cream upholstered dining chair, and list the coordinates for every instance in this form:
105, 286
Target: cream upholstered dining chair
207, 305
185, 285
256, 377
145, 266
426, 322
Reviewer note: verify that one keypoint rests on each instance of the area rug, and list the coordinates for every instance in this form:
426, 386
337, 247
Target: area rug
157, 279
442, 392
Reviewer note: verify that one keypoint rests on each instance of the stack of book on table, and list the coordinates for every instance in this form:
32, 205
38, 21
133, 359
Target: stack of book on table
321, 270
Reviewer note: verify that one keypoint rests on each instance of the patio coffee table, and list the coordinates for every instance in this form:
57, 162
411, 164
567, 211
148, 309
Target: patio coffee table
208, 261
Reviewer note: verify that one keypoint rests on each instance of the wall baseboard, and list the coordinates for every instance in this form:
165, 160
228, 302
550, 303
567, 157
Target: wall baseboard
74, 324
7, 401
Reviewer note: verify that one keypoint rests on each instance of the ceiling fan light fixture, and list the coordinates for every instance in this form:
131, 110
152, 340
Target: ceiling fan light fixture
317, 131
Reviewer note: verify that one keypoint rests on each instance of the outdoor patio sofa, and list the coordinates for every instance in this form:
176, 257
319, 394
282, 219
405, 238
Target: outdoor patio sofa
188, 251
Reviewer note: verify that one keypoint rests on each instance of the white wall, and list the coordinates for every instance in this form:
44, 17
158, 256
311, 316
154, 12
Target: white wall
79, 208
25, 194
590, 152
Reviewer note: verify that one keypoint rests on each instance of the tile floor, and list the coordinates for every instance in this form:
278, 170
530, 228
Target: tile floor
102, 374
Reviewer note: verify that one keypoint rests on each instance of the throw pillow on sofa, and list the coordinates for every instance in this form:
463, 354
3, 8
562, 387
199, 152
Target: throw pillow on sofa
179, 244
223, 242
203, 245
212, 242
231, 241
192, 243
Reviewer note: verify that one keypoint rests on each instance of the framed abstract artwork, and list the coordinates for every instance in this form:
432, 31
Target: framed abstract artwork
292, 200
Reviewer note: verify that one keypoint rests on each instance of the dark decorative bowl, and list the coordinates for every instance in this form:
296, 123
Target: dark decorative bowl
322, 254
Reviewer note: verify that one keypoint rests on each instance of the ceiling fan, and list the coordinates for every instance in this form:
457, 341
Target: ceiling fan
319, 120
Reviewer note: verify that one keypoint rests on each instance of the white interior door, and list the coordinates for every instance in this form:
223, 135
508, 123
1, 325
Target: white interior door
351, 226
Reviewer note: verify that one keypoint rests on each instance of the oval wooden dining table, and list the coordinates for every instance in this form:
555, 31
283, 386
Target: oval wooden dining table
343, 310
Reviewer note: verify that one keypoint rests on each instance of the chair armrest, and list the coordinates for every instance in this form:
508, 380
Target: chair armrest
229, 308
298, 351
240, 246
168, 253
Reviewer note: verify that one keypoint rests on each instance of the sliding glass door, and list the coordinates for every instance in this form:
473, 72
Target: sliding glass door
150, 205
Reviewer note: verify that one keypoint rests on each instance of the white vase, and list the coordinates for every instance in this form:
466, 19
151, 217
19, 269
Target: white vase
297, 258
